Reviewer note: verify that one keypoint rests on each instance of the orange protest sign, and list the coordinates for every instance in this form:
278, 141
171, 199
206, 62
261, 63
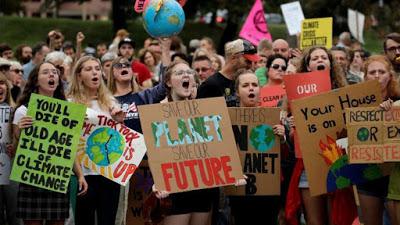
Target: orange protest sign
190, 144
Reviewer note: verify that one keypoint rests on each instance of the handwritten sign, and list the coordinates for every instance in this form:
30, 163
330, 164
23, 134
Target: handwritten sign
293, 15
5, 138
46, 150
110, 148
255, 27
259, 150
374, 135
302, 85
139, 190
271, 95
355, 21
316, 32
191, 144
320, 120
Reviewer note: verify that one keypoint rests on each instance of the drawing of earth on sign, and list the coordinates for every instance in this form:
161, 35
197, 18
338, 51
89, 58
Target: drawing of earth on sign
262, 138
105, 146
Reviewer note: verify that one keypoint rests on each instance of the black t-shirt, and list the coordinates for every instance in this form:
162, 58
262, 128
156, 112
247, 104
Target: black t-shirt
216, 86
129, 103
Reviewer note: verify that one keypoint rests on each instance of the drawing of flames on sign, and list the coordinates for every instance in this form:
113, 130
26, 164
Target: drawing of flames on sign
342, 174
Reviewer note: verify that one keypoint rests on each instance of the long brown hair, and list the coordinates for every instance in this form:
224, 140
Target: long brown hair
393, 90
31, 86
168, 74
79, 93
111, 80
337, 74
9, 100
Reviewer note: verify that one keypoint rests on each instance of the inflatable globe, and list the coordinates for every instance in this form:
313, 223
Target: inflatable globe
105, 146
165, 22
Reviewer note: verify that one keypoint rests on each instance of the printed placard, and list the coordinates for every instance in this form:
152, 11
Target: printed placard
110, 148
374, 135
293, 15
190, 144
316, 32
46, 150
320, 121
5, 138
259, 150
271, 95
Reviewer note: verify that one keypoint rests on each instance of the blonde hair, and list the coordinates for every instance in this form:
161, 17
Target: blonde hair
392, 88
111, 80
9, 100
79, 93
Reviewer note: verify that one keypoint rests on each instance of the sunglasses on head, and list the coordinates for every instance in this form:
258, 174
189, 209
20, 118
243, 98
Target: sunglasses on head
121, 65
276, 66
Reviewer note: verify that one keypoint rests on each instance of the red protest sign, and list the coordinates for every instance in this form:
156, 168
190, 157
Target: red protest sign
270, 95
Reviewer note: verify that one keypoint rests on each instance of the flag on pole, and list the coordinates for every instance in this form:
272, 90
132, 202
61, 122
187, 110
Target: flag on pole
255, 27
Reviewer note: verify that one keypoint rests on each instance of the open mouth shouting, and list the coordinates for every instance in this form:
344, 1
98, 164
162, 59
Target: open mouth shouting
321, 67
251, 95
52, 83
124, 72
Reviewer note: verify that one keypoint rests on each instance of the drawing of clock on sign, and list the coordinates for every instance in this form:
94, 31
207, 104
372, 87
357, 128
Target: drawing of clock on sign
105, 146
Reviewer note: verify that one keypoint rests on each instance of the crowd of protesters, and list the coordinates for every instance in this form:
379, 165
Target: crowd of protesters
115, 78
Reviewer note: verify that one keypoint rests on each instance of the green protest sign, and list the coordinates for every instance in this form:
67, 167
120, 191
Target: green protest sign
46, 150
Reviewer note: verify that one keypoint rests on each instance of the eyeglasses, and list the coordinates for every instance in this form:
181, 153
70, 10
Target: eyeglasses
18, 71
202, 69
121, 65
49, 71
276, 66
182, 72
393, 49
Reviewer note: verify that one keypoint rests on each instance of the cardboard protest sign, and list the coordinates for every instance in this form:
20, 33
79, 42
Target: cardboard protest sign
190, 144
110, 148
293, 15
255, 27
355, 21
259, 150
46, 150
5, 138
320, 121
316, 32
271, 95
374, 135
302, 85
139, 190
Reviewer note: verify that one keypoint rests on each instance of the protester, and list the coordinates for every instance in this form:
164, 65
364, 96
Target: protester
253, 209
357, 58
391, 46
344, 40
6, 51
39, 52
101, 49
208, 44
202, 66
15, 76
276, 65
373, 193
88, 88
8, 192
23, 53
342, 58
38, 205
281, 46
106, 61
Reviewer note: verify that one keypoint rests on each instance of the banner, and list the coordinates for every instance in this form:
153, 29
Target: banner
5, 138
355, 21
374, 135
46, 150
302, 85
271, 95
110, 148
255, 27
316, 32
320, 121
293, 15
259, 150
190, 144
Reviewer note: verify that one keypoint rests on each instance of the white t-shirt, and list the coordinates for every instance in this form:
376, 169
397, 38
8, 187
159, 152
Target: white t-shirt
19, 113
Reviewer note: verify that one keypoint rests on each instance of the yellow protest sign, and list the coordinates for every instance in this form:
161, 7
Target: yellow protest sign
316, 31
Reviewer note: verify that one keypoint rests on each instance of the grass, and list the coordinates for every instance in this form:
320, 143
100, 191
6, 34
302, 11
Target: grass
16, 30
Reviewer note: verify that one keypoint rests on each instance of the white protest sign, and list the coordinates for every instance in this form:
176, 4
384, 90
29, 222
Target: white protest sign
293, 15
5, 162
355, 22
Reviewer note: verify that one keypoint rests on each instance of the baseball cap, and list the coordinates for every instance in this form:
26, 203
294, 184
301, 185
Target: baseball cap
244, 47
126, 41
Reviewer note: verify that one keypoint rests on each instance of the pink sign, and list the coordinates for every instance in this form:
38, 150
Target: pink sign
255, 28
140, 5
